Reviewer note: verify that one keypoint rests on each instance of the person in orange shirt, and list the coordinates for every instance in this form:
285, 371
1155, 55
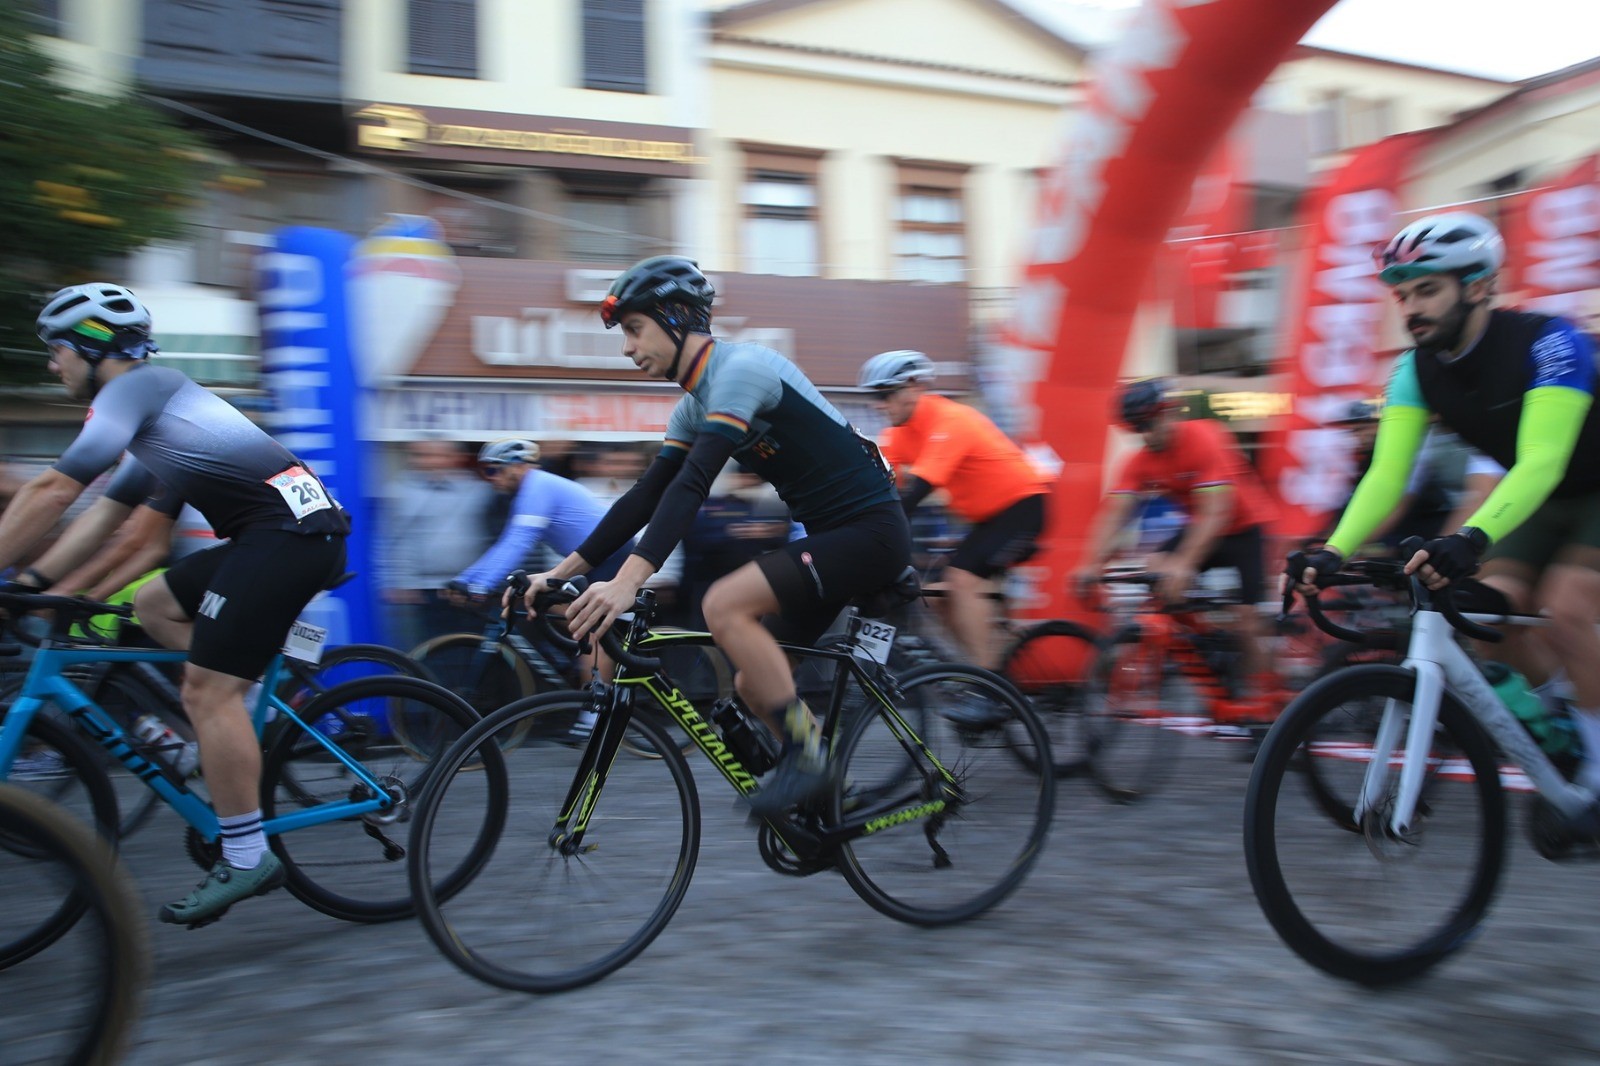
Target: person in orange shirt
1199, 466
936, 443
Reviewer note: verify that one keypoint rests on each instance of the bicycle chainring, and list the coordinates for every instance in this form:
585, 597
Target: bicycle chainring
202, 852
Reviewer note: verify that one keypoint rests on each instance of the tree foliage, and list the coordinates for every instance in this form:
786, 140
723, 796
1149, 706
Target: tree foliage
83, 179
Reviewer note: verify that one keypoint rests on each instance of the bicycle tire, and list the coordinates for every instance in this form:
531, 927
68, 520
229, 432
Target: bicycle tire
93, 800
534, 919
955, 864
1130, 748
486, 681
1050, 664
1333, 894
115, 923
350, 869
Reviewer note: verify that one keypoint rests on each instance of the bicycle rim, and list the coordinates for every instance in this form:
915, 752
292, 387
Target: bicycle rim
76, 1002
1130, 705
535, 919
354, 868
938, 867
1345, 894
1050, 664
487, 680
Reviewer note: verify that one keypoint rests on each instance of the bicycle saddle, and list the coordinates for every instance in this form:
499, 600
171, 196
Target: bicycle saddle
880, 601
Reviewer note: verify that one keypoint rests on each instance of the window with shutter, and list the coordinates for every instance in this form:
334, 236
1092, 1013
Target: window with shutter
442, 38
613, 46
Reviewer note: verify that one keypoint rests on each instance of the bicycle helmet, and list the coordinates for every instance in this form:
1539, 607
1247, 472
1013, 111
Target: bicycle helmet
99, 320
890, 370
1456, 242
508, 450
660, 280
1142, 400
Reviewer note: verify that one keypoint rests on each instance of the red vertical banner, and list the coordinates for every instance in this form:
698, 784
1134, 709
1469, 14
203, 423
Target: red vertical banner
1204, 245
1330, 347
1553, 246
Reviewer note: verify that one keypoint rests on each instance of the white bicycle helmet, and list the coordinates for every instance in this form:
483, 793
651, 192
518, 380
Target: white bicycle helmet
508, 450
1456, 242
99, 317
890, 370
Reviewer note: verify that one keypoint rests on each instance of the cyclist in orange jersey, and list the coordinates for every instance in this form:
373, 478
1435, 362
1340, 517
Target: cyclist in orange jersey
1199, 466
936, 443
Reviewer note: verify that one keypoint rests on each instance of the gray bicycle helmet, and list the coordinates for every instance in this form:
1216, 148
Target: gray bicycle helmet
99, 320
1456, 242
508, 450
891, 370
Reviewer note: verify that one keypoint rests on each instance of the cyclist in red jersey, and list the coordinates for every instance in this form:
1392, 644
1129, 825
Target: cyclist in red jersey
1198, 465
936, 443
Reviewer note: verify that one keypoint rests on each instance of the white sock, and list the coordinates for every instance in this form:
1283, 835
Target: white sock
588, 718
1588, 722
243, 842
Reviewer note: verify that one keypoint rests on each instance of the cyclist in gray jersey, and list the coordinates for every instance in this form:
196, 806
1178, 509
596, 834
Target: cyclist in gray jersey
231, 607
745, 402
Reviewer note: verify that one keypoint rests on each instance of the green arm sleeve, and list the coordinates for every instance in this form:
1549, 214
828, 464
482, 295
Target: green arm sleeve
1400, 432
1552, 417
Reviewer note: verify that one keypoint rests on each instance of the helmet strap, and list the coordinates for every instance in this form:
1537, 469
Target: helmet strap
679, 336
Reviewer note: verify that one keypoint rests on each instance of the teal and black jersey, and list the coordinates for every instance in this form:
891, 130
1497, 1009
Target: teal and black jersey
784, 431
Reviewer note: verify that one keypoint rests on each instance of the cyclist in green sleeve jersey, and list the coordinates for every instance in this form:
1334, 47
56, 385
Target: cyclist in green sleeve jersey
1518, 387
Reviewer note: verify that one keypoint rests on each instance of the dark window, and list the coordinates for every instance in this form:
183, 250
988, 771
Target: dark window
613, 45
442, 38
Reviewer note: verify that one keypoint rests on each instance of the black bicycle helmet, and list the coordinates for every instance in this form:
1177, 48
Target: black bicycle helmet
1142, 400
660, 280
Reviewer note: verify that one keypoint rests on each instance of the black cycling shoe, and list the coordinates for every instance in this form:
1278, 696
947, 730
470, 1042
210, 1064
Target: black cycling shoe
796, 779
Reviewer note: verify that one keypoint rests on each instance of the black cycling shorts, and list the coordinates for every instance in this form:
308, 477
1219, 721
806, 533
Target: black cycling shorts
1001, 541
244, 595
1241, 550
816, 576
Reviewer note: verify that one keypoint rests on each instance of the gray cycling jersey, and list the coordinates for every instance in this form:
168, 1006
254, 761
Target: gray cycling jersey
786, 433
131, 485
203, 451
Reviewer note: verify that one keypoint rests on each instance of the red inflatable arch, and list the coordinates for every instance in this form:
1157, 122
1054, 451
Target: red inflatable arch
1159, 101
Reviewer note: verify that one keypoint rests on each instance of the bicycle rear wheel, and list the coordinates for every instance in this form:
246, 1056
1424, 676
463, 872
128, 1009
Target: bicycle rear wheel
77, 1003
1050, 663
1131, 696
958, 836
352, 868
58, 766
482, 671
1346, 894
540, 917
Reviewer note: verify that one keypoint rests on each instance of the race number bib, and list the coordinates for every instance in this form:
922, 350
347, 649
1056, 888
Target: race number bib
305, 642
874, 640
301, 491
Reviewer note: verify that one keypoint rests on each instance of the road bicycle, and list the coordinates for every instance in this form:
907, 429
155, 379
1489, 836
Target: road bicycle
103, 968
930, 826
1375, 820
331, 801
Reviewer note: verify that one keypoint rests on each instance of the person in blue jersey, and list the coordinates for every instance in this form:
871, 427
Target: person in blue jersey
1519, 387
231, 607
746, 402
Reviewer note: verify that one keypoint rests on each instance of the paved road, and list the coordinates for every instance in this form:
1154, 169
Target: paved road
1137, 939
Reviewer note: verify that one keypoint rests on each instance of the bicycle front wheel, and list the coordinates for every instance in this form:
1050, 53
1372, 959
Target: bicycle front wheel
1349, 894
952, 823
544, 915
481, 670
76, 1003
352, 868
1050, 663
1132, 696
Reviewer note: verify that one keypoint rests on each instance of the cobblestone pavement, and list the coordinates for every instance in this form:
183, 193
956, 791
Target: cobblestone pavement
1136, 939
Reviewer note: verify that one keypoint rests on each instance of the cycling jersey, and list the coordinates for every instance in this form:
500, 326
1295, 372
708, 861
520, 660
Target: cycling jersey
955, 448
546, 509
202, 449
1523, 364
1200, 456
132, 485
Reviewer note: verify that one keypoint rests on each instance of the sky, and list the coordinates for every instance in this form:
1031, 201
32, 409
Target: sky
1509, 39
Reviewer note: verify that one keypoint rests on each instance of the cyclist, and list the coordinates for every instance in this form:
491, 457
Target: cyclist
1199, 466
231, 607
1520, 388
932, 442
747, 402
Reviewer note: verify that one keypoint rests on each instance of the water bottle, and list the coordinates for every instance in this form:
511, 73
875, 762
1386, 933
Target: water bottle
752, 742
1519, 697
181, 756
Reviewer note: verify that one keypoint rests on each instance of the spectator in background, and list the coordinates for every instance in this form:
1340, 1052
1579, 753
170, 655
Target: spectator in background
610, 468
741, 519
433, 524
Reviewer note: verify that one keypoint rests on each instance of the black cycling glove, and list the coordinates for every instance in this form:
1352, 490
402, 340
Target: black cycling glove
1325, 561
1456, 556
